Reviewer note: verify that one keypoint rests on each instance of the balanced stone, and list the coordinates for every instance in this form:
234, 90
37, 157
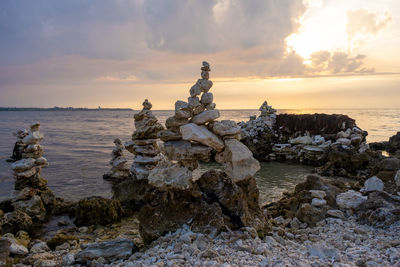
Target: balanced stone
238, 161
119, 170
168, 175
193, 132
226, 127
168, 135
207, 98
206, 116
205, 85
193, 102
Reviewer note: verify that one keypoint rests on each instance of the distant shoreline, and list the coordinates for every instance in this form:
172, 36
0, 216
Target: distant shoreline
62, 109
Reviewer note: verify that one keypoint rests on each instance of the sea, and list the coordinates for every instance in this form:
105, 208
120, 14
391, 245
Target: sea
78, 145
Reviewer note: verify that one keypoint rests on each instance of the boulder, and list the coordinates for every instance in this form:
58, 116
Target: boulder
350, 199
201, 134
206, 116
120, 248
225, 127
33, 207
373, 184
16, 221
15, 248
390, 164
238, 161
310, 214
394, 143
97, 210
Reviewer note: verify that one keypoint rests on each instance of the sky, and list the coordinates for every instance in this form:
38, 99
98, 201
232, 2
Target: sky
292, 53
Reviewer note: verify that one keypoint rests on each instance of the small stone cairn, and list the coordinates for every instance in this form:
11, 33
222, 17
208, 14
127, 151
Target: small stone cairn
144, 142
28, 168
119, 169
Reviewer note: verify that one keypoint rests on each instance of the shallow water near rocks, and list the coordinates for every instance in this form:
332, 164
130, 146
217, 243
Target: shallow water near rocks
78, 145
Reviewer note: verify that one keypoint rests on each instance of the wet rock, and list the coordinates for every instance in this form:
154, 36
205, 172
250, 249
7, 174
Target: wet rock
15, 247
16, 221
23, 165
33, 207
238, 161
201, 134
115, 249
373, 184
206, 116
97, 210
350, 199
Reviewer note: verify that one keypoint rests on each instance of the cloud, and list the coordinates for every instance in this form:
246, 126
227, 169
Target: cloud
361, 24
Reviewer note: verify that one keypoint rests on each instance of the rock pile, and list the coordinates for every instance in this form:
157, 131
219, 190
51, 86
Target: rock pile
168, 196
119, 169
144, 142
33, 199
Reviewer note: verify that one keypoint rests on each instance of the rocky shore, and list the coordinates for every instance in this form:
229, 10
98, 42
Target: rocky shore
161, 214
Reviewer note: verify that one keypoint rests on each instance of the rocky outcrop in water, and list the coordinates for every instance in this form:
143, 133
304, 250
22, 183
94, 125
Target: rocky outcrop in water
332, 141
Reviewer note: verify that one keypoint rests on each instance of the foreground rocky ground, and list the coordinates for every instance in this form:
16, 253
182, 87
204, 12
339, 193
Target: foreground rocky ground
333, 242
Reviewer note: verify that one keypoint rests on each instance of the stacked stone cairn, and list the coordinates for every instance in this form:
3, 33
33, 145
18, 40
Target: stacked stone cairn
32, 200
144, 142
119, 169
172, 196
27, 170
192, 133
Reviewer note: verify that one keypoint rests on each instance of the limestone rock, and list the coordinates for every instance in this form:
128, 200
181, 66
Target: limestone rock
195, 90
335, 213
33, 138
120, 248
317, 202
184, 151
350, 199
207, 98
16, 221
23, 165
182, 110
373, 184
226, 127
201, 134
238, 161
33, 207
390, 164
206, 116
205, 85
193, 102
15, 247
168, 135
318, 194
169, 175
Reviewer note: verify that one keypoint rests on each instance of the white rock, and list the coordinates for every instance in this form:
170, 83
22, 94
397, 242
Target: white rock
23, 165
28, 173
363, 147
42, 161
318, 140
345, 134
15, 248
68, 259
33, 138
397, 178
344, 141
206, 116
169, 175
301, 140
373, 184
226, 127
193, 132
238, 161
318, 194
350, 199
317, 202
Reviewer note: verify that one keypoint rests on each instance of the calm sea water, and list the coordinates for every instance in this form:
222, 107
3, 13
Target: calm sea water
78, 145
